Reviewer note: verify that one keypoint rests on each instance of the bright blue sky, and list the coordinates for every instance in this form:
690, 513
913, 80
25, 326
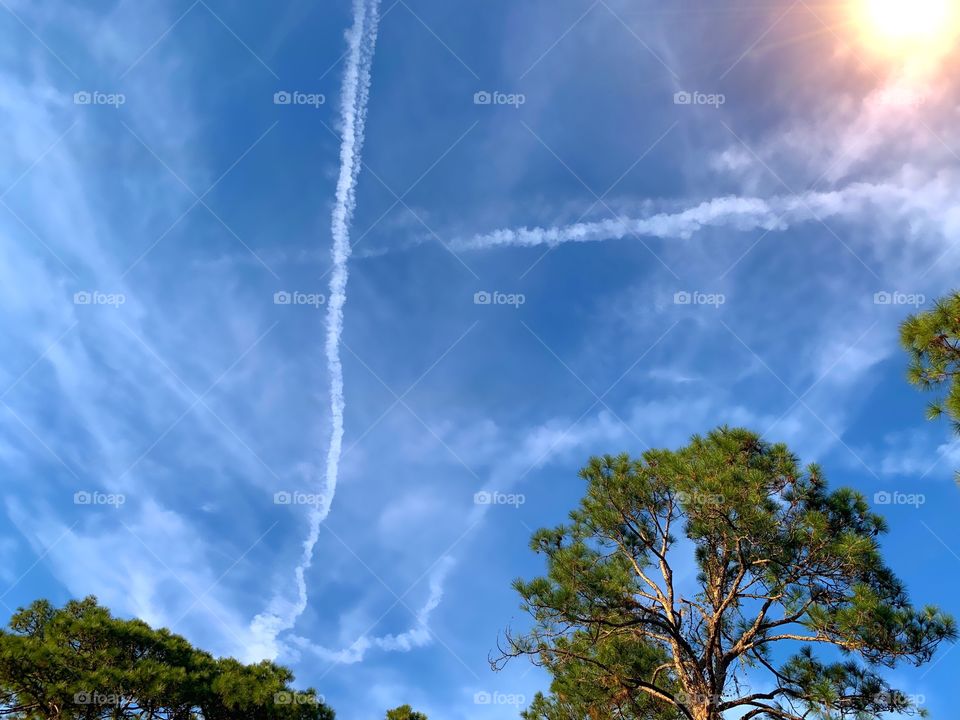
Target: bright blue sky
827, 175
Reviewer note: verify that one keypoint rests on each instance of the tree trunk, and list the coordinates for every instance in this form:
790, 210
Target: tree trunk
705, 712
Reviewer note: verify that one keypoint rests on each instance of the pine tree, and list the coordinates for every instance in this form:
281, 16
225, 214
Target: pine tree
405, 712
932, 339
582, 689
81, 663
791, 588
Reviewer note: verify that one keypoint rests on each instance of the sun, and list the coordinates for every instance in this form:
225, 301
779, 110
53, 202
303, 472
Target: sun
914, 26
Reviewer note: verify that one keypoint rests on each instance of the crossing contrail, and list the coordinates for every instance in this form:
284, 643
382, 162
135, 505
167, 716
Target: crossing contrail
362, 39
356, 93
739, 213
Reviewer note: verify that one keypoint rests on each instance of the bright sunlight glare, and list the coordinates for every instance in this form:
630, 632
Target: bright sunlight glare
916, 26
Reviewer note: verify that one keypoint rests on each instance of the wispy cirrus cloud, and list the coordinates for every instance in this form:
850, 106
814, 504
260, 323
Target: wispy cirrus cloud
419, 635
127, 397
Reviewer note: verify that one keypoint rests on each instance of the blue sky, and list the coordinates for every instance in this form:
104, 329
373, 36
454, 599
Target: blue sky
655, 267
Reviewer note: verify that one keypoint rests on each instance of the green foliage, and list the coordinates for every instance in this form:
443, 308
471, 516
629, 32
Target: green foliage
589, 688
784, 566
932, 339
405, 712
80, 663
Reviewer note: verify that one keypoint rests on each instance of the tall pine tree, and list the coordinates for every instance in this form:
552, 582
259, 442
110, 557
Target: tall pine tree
790, 587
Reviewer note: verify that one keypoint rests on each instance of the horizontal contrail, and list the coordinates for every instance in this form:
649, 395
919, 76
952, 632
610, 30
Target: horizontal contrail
740, 213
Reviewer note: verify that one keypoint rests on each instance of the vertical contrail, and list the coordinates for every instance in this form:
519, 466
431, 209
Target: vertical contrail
356, 93
362, 39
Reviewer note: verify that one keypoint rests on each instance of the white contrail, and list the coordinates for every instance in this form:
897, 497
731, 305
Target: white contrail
362, 39
419, 635
741, 213
356, 93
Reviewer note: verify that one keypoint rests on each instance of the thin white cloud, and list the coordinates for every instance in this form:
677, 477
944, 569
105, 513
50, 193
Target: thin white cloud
419, 635
146, 561
105, 403
918, 454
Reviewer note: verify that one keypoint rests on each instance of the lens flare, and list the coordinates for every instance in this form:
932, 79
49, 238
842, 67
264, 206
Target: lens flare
915, 26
